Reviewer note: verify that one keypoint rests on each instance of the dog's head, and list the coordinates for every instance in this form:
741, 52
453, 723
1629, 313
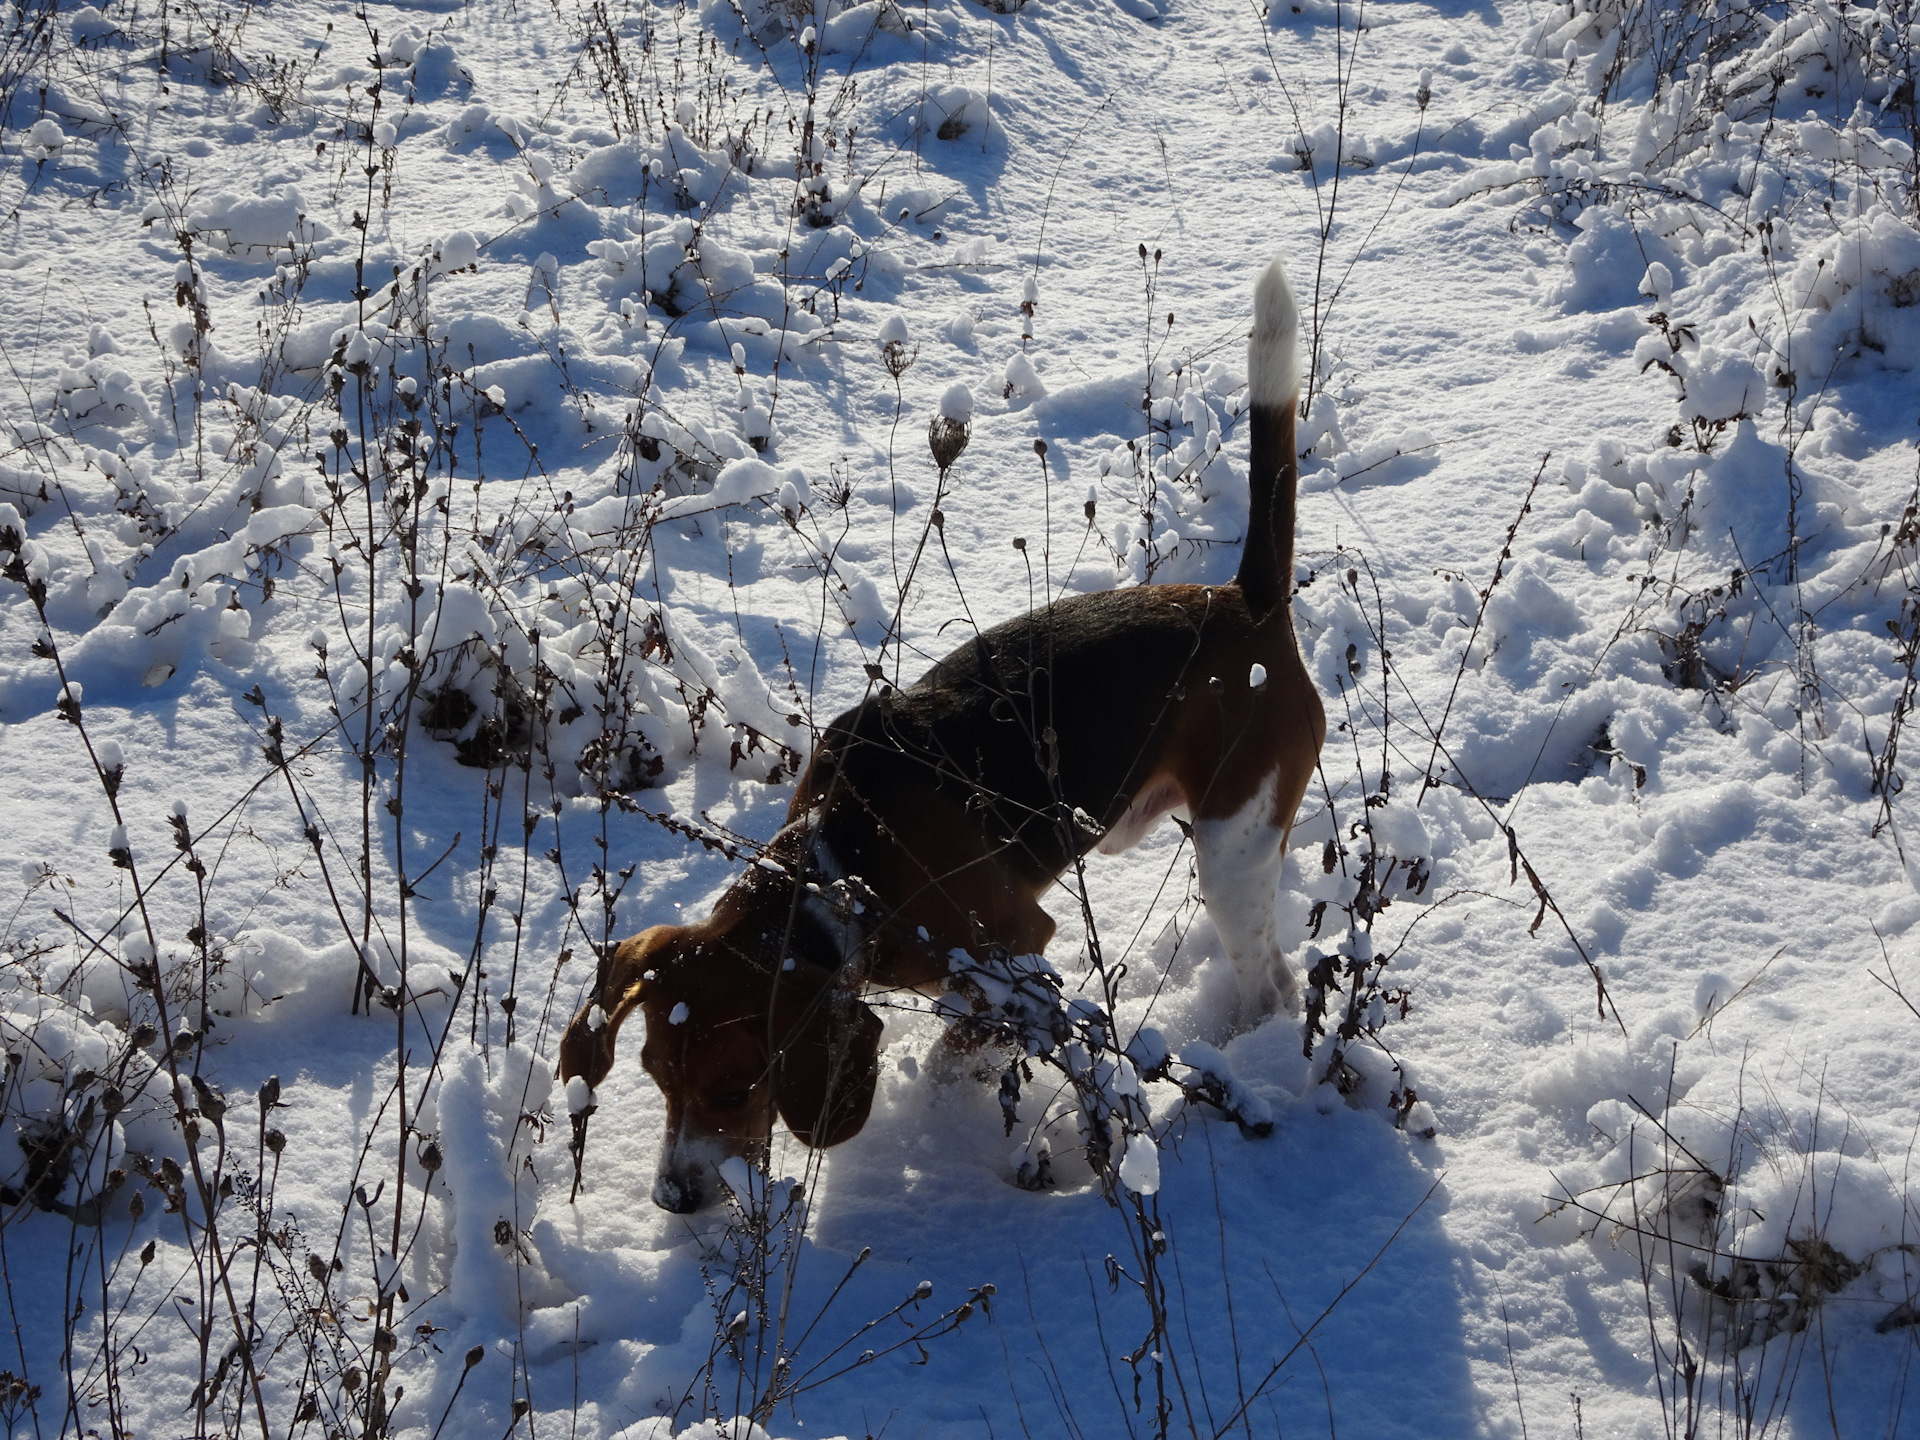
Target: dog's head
732, 1038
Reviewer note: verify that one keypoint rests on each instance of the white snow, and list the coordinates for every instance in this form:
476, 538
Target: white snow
1022, 379
45, 138
486, 437
579, 1095
956, 402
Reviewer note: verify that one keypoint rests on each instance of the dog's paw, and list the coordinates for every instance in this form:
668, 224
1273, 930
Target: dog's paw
1033, 1166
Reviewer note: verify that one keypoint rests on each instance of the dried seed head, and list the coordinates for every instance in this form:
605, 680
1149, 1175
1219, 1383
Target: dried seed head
895, 353
211, 1105
947, 438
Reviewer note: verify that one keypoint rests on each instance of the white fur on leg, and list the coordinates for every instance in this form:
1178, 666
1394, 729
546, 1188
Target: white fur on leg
1240, 882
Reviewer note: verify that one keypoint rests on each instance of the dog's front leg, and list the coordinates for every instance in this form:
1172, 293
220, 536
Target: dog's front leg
968, 1049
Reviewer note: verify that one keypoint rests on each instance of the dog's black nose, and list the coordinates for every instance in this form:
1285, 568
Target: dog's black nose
678, 1194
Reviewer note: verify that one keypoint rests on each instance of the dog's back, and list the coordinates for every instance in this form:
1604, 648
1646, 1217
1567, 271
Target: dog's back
1044, 729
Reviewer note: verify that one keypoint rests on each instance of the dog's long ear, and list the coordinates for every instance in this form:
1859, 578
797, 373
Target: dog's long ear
587, 1049
826, 1062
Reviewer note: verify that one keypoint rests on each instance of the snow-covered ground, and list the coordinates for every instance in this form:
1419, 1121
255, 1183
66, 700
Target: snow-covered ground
561, 377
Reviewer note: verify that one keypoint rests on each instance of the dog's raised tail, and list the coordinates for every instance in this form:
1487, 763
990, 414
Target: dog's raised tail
1273, 389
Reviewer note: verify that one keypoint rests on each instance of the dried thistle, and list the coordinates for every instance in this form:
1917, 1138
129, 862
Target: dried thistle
947, 438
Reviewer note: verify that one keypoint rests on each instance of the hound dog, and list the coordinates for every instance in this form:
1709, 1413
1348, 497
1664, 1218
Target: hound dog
934, 818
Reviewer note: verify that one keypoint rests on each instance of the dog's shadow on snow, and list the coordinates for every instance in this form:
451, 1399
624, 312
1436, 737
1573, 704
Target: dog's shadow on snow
1262, 1236
1305, 1272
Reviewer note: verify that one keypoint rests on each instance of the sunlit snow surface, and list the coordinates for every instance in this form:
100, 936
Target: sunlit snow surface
628, 385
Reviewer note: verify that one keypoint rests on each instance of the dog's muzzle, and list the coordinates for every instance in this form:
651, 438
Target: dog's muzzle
688, 1178
679, 1194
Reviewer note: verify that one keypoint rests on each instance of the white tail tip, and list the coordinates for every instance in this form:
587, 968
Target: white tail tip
1273, 352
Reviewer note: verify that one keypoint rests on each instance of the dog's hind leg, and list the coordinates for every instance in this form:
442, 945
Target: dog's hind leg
1239, 859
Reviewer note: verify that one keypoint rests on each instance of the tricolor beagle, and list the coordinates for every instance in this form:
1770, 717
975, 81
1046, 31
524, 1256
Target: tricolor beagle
935, 818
